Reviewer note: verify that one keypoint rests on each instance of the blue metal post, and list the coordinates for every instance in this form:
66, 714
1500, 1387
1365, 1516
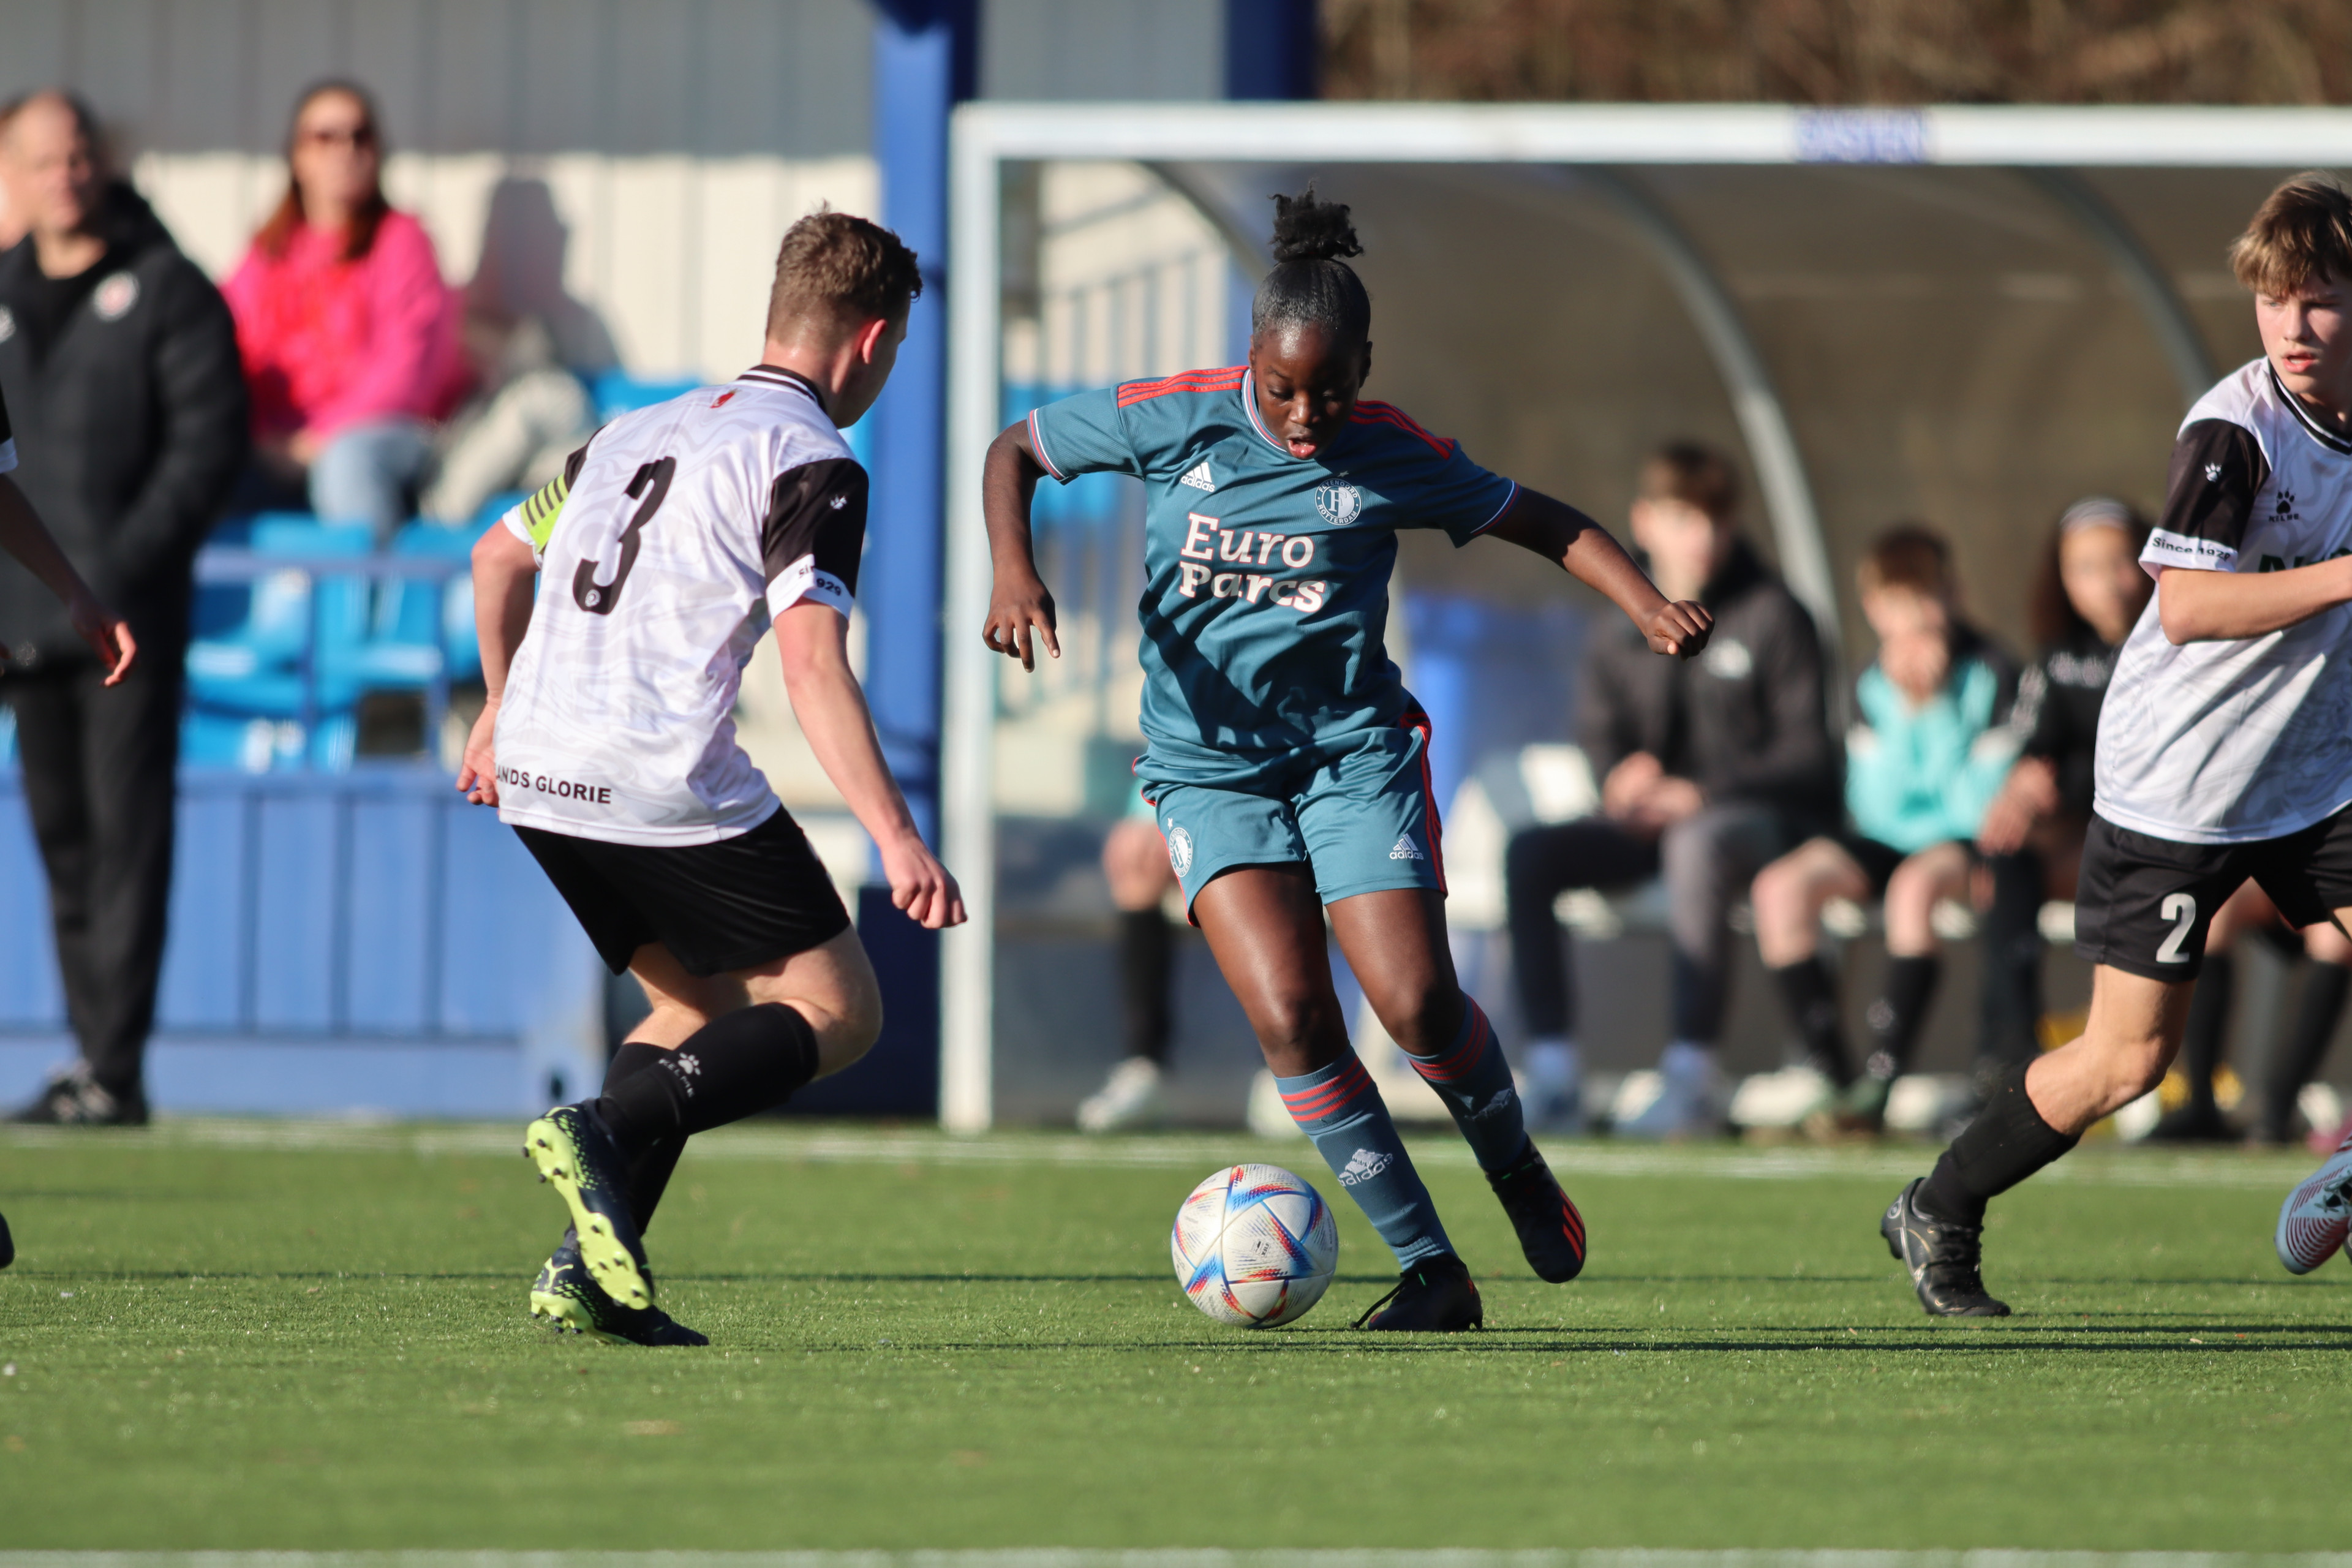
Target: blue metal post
926, 54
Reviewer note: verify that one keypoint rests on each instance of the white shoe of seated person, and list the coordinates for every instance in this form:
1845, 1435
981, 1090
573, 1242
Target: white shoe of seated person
1552, 1087
1690, 1095
1130, 1099
1776, 1101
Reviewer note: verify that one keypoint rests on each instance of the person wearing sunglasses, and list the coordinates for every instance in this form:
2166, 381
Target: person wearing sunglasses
349, 335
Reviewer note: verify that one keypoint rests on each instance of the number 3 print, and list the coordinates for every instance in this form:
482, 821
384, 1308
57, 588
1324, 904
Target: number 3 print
600, 599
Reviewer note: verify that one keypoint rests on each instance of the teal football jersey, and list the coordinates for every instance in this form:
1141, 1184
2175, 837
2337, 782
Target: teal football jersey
1265, 592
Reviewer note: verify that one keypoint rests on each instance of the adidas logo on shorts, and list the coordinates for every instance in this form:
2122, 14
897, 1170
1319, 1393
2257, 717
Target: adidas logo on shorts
1404, 850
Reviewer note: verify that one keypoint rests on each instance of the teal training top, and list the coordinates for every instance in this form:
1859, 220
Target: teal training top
1917, 776
1265, 592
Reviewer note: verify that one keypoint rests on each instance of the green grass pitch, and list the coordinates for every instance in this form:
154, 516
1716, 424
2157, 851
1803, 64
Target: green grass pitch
236, 1335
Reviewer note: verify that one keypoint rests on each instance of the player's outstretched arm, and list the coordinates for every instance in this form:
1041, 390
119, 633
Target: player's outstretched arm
1020, 610
2210, 606
23, 536
813, 640
1584, 549
506, 574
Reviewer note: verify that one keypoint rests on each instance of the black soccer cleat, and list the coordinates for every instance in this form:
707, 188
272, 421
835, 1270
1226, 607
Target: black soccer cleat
1552, 1233
1435, 1296
72, 1098
575, 1154
1944, 1259
7, 1244
569, 1298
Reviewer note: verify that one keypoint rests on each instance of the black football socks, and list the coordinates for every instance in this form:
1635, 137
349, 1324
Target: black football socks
649, 1170
732, 1067
1147, 955
2007, 1143
2317, 1012
1811, 1001
1896, 1017
2010, 1007
2202, 1039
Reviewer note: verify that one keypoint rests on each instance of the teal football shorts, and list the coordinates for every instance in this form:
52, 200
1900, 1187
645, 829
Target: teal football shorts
1364, 817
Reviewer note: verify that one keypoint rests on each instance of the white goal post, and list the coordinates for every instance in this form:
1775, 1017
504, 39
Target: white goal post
986, 137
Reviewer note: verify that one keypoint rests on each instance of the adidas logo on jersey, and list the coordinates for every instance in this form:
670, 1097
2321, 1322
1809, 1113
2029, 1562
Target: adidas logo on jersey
1404, 850
1199, 476
1363, 1165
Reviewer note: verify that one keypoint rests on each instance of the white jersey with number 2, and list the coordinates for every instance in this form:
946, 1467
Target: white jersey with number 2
668, 546
2236, 739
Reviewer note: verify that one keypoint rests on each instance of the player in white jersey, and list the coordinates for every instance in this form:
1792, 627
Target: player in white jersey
2225, 743
617, 609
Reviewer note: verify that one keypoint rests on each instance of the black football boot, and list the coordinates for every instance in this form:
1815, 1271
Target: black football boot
569, 1298
1552, 1233
576, 1156
1943, 1258
1435, 1296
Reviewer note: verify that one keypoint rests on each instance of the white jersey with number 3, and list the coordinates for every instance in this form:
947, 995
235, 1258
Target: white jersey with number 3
671, 542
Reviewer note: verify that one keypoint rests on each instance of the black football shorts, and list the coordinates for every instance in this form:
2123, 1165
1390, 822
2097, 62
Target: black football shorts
735, 904
2142, 904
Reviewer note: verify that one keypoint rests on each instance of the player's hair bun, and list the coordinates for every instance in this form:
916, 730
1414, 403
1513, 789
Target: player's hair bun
1306, 230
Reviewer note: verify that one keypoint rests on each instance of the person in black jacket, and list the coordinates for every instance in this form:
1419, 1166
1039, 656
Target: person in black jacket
119, 363
1707, 769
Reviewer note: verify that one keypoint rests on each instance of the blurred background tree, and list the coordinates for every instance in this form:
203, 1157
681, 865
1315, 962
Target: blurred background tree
1842, 51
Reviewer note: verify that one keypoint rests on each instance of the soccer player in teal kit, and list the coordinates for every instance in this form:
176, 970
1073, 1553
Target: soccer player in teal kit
1286, 762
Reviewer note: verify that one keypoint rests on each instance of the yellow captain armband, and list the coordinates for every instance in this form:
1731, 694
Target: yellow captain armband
542, 508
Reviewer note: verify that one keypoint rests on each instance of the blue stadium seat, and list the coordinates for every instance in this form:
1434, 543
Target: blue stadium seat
247, 690
422, 630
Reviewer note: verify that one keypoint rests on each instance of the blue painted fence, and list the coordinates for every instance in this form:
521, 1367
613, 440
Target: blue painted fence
361, 941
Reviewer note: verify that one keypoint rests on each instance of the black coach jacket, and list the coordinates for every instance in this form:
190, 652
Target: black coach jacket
128, 399
1744, 720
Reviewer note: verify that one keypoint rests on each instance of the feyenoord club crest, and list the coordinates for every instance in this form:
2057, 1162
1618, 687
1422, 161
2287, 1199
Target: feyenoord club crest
1180, 851
1339, 504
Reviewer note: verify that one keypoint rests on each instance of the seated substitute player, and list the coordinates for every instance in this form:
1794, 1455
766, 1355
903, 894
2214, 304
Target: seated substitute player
2225, 743
670, 543
23, 536
1924, 757
1287, 764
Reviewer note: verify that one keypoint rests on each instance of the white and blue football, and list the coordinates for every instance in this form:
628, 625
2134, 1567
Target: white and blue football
1255, 1247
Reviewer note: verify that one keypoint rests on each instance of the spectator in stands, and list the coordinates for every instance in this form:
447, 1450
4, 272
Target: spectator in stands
349, 335
2089, 594
1708, 769
1928, 750
526, 415
120, 365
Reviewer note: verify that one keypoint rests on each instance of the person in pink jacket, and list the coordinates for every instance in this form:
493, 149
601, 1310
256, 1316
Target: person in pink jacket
347, 333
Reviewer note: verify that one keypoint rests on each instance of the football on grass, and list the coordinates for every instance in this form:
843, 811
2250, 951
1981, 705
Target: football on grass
1255, 1247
